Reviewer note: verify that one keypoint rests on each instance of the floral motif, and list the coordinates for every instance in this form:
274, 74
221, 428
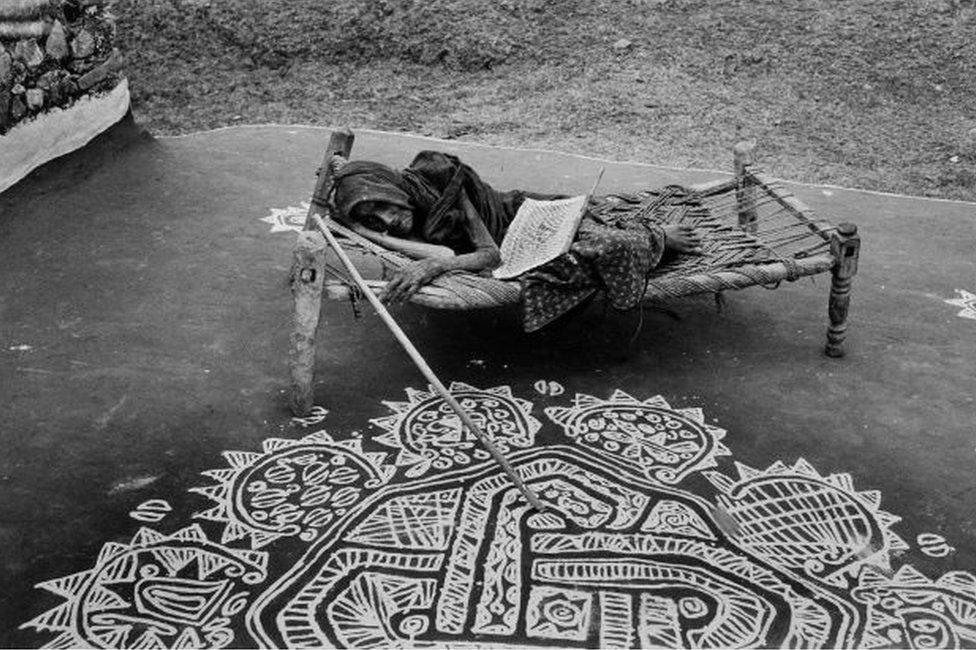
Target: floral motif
290, 219
296, 487
429, 435
783, 557
967, 301
663, 443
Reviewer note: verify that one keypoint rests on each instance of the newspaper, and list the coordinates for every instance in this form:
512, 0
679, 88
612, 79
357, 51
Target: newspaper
540, 232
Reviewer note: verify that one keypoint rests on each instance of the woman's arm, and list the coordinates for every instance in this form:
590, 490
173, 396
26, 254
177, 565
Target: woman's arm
412, 248
485, 257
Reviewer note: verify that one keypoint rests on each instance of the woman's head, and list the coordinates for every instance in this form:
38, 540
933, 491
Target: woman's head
375, 196
383, 216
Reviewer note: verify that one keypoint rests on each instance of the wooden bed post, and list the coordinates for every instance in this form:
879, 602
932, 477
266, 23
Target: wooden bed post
307, 275
745, 192
340, 144
307, 280
845, 246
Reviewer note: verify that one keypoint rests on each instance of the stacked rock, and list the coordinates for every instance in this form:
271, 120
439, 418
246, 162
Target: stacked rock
51, 53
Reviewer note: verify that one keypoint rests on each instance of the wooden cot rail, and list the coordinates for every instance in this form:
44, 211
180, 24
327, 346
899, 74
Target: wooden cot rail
669, 287
432, 296
749, 275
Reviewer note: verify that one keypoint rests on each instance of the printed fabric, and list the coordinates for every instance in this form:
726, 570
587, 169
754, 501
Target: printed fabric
614, 256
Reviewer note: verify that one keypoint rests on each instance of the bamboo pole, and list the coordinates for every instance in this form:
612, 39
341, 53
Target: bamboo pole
424, 368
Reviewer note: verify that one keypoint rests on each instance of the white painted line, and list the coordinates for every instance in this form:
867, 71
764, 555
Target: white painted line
636, 163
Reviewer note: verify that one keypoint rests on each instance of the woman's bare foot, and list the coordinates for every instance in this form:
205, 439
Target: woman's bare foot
682, 239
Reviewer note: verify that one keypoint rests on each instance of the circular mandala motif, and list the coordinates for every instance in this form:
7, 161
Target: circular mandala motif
430, 436
801, 520
157, 591
301, 489
661, 442
296, 487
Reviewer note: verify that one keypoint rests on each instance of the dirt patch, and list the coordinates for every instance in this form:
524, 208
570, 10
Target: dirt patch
871, 94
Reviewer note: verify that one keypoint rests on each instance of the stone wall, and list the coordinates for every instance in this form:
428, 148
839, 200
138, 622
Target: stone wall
53, 52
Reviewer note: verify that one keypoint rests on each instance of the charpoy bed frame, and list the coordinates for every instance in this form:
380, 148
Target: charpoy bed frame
754, 233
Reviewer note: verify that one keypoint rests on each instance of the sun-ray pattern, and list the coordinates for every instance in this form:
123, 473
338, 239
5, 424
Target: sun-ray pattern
157, 591
799, 520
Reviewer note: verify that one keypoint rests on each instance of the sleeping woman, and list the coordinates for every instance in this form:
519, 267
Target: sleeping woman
440, 213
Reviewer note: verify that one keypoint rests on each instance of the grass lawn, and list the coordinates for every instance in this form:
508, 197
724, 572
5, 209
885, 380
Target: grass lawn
877, 94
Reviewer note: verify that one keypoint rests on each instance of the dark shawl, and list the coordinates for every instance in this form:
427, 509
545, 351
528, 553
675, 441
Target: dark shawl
431, 186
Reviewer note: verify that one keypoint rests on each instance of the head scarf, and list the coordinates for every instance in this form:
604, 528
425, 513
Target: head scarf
433, 200
360, 181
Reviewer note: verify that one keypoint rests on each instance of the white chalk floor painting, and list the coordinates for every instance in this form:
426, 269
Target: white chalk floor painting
967, 301
661, 443
290, 219
428, 434
412, 538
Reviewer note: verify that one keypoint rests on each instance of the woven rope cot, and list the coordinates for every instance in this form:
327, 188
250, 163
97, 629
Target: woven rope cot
755, 233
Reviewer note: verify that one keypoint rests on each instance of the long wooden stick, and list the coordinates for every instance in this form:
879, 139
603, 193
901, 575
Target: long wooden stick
424, 368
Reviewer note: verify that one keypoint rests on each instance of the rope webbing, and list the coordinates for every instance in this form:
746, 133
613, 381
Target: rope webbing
786, 245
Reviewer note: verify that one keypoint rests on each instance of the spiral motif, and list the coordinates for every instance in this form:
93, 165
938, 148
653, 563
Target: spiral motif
562, 613
692, 607
414, 626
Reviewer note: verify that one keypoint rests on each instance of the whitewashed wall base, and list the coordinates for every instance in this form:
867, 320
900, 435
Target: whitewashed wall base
47, 136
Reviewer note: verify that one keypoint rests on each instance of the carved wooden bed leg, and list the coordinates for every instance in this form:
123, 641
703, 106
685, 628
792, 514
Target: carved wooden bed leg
845, 246
745, 193
307, 271
307, 278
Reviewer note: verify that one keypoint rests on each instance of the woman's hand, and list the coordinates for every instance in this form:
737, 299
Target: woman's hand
409, 279
682, 239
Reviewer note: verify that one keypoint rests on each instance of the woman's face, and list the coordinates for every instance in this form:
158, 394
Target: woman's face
384, 217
